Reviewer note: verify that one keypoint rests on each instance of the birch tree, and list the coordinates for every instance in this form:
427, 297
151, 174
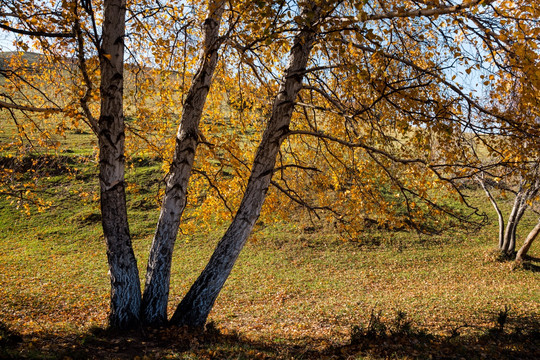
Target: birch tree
156, 289
525, 192
125, 285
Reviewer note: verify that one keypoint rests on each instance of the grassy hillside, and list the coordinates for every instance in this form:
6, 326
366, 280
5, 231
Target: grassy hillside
295, 292
30, 58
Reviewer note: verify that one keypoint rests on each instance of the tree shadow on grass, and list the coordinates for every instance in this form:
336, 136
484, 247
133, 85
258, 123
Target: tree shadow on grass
532, 258
530, 263
180, 343
531, 267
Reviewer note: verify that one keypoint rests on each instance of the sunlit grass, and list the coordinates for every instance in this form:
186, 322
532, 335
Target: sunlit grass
287, 285
292, 285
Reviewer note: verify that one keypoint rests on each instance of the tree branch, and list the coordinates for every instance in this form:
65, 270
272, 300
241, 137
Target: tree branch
5, 105
453, 9
440, 79
36, 33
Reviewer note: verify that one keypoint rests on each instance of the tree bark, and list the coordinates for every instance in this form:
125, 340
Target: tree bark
124, 276
528, 242
518, 209
523, 205
156, 291
196, 305
512, 223
497, 210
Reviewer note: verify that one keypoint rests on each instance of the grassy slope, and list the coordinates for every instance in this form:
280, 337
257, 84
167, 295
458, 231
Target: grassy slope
288, 289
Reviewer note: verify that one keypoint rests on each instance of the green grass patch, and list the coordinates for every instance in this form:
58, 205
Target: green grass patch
296, 291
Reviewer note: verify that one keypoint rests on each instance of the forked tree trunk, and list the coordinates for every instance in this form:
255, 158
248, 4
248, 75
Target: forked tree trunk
518, 209
527, 191
528, 242
512, 224
523, 207
156, 291
196, 305
125, 284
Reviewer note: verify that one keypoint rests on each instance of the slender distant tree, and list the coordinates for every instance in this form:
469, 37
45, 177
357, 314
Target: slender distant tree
513, 151
525, 192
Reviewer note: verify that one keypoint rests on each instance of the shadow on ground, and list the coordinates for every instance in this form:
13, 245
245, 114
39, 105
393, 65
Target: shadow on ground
531, 263
179, 343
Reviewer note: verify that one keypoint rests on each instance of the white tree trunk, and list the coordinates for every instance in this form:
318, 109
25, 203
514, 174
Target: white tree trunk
523, 206
518, 209
124, 275
497, 210
156, 291
196, 305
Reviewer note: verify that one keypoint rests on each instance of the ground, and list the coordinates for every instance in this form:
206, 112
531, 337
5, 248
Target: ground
298, 290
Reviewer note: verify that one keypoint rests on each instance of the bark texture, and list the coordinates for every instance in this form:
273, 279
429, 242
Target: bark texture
194, 309
124, 276
528, 242
156, 291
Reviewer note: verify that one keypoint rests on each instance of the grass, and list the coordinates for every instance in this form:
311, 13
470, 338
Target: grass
294, 293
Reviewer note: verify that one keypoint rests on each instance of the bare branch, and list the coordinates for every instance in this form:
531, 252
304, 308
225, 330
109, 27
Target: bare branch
5, 105
444, 10
37, 33
216, 188
294, 196
351, 144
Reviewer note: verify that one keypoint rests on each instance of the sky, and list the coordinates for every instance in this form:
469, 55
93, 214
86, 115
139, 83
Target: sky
470, 82
6, 41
